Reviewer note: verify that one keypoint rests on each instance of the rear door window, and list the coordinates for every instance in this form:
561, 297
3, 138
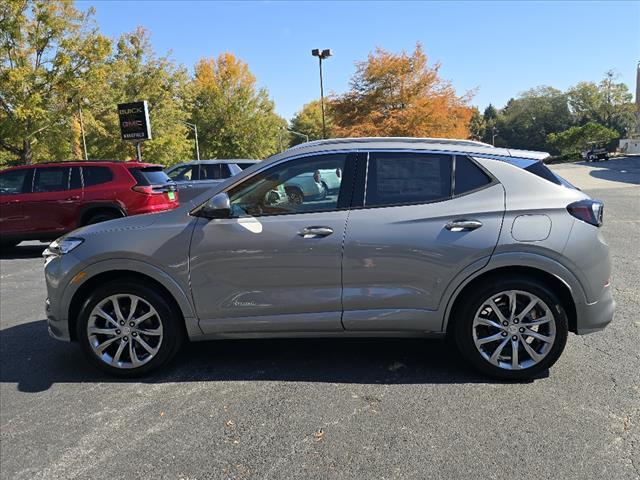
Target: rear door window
150, 176
225, 171
211, 171
15, 181
96, 175
402, 178
184, 173
51, 179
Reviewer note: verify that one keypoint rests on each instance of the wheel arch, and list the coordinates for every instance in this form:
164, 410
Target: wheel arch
565, 289
88, 210
171, 292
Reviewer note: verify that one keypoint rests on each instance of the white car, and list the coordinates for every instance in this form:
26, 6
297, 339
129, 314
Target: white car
313, 186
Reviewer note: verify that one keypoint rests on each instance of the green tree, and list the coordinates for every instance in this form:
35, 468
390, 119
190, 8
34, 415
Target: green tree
575, 139
476, 125
308, 121
526, 121
235, 119
607, 103
134, 73
489, 120
47, 52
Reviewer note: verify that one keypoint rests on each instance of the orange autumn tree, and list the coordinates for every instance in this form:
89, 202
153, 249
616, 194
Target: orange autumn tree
400, 95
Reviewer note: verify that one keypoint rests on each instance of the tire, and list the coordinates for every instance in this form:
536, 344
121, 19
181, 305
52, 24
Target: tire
101, 217
166, 320
469, 332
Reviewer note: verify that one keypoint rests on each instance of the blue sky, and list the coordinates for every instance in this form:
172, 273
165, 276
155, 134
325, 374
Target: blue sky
500, 48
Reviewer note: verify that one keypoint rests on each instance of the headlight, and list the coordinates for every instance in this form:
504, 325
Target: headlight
61, 246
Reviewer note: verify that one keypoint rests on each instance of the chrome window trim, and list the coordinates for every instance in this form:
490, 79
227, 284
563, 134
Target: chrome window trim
296, 156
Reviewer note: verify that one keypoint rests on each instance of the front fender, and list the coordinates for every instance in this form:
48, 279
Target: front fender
183, 299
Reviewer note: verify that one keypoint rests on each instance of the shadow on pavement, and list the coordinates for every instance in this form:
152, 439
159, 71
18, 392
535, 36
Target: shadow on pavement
35, 362
22, 251
624, 170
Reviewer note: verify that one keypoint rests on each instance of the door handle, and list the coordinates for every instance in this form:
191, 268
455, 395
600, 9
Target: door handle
75, 197
463, 225
315, 232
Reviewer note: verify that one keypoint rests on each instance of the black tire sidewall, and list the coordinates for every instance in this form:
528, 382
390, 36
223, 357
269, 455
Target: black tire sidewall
464, 324
173, 335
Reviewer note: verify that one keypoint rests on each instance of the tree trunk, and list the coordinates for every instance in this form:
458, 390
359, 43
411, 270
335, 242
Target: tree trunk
25, 154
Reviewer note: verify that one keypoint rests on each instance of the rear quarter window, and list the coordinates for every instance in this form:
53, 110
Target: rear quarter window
150, 176
468, 176
96, 175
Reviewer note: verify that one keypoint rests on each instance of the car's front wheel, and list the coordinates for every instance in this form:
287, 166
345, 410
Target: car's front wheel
514, 328
128, 329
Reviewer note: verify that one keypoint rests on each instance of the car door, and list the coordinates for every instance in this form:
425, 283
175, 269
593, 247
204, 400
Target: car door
275, 265
53, 205
13, 186
414, 231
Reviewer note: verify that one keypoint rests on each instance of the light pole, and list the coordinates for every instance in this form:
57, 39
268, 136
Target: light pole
304, 135
84, 141
194, 127
322, 54
494, 132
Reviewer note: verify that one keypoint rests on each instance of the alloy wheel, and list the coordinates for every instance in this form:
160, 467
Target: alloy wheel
514, 330
124, 331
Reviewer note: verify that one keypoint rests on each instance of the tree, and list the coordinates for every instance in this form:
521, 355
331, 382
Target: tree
575, 139
526, 121
476, 125
134, 73
308, 121
607, 103
235, 120
397, 95
47, 51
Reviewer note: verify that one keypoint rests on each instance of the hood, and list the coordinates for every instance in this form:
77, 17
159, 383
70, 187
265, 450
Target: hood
120, 224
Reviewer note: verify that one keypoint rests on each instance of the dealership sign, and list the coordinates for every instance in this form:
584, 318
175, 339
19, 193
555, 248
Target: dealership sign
134, 121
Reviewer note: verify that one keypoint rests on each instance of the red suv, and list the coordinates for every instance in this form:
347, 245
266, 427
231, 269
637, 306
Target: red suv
44, 201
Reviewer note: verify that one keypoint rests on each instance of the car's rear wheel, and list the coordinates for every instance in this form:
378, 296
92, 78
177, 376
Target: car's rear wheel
514, 328
128, 329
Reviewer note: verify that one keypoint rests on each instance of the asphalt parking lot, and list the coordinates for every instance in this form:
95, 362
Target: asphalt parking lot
328, 408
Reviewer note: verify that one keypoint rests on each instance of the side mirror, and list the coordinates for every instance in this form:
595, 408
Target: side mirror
218, 206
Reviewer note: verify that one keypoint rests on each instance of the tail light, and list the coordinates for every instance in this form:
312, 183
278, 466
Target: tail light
154, 189
589, 211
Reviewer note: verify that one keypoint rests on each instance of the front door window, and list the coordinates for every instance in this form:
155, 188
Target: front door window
305, 185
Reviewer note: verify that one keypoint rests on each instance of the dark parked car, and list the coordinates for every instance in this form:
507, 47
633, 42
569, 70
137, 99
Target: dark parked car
44, 201
193, 178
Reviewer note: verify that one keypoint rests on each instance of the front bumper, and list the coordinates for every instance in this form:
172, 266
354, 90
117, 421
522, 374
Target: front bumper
58, 329
593, 317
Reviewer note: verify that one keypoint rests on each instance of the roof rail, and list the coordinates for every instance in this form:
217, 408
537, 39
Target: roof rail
447, 141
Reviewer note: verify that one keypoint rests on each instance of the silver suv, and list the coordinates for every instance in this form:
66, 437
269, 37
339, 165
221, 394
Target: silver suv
194, 178
423, 238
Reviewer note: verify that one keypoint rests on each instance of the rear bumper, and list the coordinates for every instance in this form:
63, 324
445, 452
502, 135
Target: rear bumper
593, 317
